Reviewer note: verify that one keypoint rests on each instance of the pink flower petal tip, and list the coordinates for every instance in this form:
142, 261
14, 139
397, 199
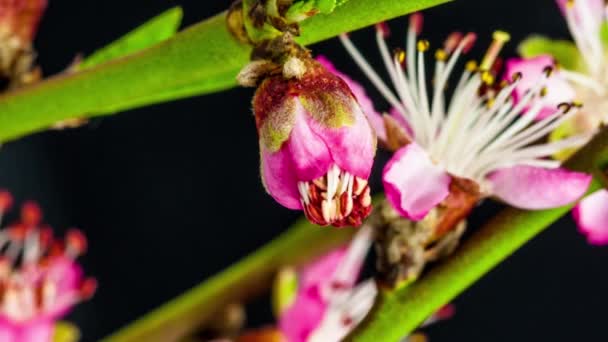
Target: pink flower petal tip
413, 183
591, 215
528, 187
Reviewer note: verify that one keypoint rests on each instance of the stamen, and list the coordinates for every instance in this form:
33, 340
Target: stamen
499, 40
330, 199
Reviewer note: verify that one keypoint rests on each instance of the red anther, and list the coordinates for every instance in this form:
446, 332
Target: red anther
469, 40
31, 214
416, 22
6, 200
452, 41
88, 288
76, 241
383, 28
447, 311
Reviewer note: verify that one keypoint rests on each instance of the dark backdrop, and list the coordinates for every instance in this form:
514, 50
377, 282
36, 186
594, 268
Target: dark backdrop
169, 195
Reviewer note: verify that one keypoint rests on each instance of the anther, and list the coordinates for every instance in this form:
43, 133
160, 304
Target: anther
400, 55
487, 77
452, 42
441, 55
416, 22
564, 107
383, 28
423, 45
548, 71
468, 41
543, 92
6, 200
516, 76
471, 66
31, 214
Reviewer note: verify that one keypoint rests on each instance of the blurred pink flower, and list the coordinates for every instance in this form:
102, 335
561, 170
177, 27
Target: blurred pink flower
328, 304
39, 278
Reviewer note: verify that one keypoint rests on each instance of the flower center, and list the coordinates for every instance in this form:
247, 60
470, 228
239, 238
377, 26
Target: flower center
338, 198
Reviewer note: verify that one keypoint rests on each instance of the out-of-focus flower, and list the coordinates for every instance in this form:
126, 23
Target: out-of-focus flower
327, 303
582, 74
39, 278
478, 137
316, 144
18, 25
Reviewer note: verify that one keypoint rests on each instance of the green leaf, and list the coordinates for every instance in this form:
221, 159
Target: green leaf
564, 51
247, 278
199, 60
399, 312
156, 30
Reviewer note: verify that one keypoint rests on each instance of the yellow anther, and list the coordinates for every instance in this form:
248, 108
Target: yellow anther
423, 45
441, 55
471, 66
400, 55
490, 102
570, 4
577, 103
501, 36
487, 77
543, 92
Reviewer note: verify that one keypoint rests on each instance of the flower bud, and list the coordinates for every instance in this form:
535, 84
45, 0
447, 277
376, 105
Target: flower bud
317, 147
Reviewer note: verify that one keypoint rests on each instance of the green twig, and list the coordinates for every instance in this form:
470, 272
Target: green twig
398, 313
198, 60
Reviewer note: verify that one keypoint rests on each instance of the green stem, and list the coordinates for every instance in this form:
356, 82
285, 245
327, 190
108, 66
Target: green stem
199, 60
399, 312
238, 283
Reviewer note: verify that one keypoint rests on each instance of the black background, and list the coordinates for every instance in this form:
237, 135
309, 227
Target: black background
169, 195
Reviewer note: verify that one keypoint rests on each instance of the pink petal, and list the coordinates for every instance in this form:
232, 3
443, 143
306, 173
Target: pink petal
531, 69
30, 331
38, 331
413, 183
591, 214
530, 187
303, 157
321, 270
365, 102
352, 147
299, 320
